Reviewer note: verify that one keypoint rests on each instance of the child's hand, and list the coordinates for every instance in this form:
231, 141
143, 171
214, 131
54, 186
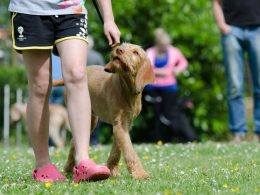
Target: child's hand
112, 33
225, 28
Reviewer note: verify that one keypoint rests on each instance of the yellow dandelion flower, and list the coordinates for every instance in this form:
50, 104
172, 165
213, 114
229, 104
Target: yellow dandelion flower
146, 157
159, 142
225, 185
236, 189
95, 157
112, 181
47, 184
120, 164
167, 192
76, 185
236, 169
57, 154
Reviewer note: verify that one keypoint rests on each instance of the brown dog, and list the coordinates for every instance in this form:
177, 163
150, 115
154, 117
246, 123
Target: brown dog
115, 94
58, 121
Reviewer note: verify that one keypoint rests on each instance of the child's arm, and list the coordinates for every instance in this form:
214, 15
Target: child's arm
181, 63
110, 28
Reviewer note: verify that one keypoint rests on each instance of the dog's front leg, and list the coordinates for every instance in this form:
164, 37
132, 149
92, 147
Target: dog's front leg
133, 162
114, 159
71, 159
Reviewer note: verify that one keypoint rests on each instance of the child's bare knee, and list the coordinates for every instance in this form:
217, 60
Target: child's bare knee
40, 89
75, 75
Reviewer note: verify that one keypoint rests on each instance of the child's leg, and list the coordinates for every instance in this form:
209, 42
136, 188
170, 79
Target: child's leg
73, 55
38, 73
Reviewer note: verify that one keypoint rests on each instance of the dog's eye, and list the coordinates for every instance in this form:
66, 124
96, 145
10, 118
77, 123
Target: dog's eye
135, 52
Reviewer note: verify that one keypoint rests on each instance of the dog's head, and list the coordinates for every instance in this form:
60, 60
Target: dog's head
132, 62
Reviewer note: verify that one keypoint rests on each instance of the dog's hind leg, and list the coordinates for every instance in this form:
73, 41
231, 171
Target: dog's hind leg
71, 159
133, 162
114, 159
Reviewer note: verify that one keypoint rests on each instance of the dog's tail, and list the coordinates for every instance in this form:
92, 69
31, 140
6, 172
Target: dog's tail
57, 83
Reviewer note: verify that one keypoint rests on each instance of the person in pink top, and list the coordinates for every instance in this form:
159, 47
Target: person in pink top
168, 62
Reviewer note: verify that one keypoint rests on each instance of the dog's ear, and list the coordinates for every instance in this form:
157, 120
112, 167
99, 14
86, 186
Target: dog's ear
110, 68
144, 76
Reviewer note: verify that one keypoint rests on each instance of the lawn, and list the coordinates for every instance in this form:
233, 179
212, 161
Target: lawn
204, 168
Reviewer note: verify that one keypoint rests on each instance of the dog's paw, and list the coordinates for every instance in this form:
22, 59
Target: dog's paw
141, 175
114, 171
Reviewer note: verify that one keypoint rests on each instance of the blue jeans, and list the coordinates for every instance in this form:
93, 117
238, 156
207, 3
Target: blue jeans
235, 44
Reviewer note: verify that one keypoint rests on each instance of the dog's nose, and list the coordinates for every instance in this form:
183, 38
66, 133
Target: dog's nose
119, 51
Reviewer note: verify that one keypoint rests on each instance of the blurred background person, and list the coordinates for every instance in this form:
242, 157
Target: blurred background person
94, 57
57, 93
239, 23
168, 62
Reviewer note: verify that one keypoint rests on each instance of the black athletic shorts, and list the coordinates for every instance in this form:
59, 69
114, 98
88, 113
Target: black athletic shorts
44, 32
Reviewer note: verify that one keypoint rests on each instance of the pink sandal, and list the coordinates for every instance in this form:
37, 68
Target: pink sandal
48, 173
88, 170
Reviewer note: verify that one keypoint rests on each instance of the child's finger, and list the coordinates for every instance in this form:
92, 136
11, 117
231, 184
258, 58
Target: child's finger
114, 45
109, 38
116, 39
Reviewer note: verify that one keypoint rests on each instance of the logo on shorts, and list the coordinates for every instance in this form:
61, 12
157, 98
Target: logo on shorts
20, 30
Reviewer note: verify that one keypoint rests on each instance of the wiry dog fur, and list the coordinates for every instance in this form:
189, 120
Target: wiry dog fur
58, 121
115, 93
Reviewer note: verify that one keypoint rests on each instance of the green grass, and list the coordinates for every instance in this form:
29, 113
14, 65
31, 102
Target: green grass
208, 168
